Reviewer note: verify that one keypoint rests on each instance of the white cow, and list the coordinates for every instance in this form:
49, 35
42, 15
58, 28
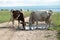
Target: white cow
36, 16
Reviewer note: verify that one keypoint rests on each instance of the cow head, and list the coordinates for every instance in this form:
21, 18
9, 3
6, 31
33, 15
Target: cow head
50, 12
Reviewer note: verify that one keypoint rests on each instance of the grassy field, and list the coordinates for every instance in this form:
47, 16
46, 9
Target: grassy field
5, 15
56, 21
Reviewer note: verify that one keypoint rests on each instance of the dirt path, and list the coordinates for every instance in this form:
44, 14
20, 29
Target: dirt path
10, 34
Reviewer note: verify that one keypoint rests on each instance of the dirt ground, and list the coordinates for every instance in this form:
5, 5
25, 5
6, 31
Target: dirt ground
7, 33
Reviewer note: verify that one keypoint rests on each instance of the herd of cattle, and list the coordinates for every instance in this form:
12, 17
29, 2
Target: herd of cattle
35, 16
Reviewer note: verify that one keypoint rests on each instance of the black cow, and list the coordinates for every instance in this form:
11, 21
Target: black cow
18, 15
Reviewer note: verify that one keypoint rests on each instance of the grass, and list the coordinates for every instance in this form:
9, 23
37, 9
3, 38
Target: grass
5, 15
56, 21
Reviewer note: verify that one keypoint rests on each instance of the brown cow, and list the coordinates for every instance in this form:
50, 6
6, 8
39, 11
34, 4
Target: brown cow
18, 15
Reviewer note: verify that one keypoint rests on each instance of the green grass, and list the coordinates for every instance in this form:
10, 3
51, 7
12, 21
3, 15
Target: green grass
56, 21
5, 15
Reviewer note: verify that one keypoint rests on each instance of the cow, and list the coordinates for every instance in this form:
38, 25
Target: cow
36, 16
18, 15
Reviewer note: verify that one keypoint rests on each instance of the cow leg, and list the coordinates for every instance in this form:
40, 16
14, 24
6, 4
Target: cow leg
13, 23
48, 24
30, 23
33, 22
18, 23
37, 24
23, 23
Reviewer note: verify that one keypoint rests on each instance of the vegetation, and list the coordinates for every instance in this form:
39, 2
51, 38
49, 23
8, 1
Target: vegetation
56, 21
5, 15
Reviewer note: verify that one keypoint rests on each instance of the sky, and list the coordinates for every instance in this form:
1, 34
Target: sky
6, 3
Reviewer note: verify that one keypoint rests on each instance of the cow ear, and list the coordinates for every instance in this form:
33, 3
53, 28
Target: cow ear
50, 11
